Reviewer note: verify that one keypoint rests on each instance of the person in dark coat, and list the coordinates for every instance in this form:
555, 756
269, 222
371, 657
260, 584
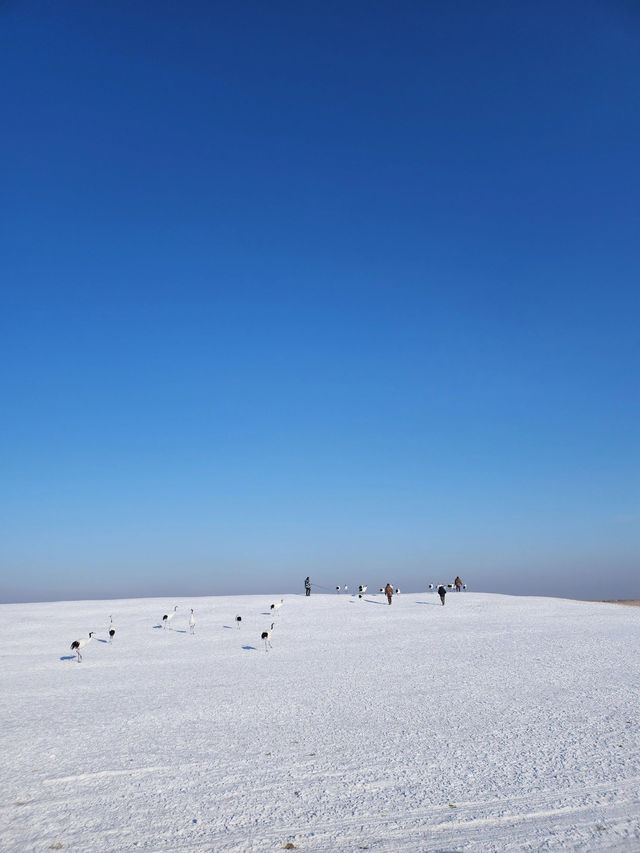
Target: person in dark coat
458, 583
388, 591
442, 592
307, 586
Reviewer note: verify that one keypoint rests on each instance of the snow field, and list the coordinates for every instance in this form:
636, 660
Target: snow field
495, 723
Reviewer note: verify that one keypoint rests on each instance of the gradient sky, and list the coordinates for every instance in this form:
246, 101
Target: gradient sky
339, 289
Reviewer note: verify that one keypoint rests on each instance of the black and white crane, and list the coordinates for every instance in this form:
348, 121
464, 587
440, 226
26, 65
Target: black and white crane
266, 636
192, 622
166, 619
238, 621
112, 629
80, 644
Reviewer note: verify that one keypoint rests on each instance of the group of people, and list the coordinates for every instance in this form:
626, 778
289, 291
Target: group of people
388, 590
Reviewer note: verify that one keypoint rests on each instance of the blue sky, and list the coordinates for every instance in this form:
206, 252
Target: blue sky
339, 289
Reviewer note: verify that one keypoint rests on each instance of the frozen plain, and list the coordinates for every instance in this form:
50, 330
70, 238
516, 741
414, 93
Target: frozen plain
495, 723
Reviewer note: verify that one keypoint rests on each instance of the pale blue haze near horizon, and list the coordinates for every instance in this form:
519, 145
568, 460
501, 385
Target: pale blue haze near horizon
344, 290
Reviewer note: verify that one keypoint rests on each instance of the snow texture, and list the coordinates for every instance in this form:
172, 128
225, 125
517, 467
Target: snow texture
494, 723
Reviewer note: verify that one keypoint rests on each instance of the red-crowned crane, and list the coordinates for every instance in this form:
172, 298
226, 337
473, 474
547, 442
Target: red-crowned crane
266, 636
80, 644
166, 619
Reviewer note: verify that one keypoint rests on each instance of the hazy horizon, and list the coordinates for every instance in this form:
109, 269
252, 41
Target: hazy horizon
373, 589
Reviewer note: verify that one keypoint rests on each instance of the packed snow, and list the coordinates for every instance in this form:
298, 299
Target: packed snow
492, 723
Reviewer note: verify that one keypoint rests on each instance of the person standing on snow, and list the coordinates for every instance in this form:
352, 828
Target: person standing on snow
388, 591
458, 583
442, 592
307, 586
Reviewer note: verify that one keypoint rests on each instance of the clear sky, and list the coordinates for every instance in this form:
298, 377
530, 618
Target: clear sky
343, 289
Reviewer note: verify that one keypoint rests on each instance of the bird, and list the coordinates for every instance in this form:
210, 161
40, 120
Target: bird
169, 616
238, 621
192, 622
266, 636
80, 644
112, 630
275, 607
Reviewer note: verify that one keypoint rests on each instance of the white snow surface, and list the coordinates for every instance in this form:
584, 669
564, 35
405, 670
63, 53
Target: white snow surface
493, 723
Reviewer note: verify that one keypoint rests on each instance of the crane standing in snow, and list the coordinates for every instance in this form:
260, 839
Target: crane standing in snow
112, 629
238, 621
192, 622
266, 636
80, 644
166, 619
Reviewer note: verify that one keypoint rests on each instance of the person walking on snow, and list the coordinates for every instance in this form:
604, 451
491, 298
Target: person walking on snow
388, 591
442, 592
307, 586
458, 583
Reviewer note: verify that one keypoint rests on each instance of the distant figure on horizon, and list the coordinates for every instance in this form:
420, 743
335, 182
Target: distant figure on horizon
307, 586
388, 591
458, 583
442, 591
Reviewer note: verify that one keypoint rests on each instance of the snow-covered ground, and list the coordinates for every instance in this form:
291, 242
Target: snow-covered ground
493, 723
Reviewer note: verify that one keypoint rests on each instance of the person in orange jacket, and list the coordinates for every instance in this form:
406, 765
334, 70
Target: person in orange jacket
388, 591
